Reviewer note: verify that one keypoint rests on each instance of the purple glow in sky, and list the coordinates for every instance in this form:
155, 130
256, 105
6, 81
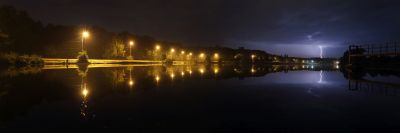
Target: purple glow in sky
296, 27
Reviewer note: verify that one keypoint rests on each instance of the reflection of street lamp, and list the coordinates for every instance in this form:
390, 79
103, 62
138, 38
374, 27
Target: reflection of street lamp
201, 70
131, 43
157, 78
85, 34
130, 82
216, 70
85, 92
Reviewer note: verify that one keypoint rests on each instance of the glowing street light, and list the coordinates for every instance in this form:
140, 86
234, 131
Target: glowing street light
158, 47
190, 54
131, 43
85, 34
253, 56
182, 52
202, 55
172, 50
216, 55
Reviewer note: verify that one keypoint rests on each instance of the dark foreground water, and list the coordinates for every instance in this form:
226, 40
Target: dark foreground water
199, 99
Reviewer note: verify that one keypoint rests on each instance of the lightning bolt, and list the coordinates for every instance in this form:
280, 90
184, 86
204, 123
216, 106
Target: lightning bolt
320, 77
321, 51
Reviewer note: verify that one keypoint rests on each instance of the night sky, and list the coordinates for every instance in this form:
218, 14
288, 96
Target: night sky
294, 27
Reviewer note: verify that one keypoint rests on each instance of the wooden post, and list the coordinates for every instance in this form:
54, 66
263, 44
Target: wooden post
349, 55
372, 49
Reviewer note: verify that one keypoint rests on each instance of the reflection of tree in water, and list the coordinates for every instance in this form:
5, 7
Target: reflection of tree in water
116, 76
16, 71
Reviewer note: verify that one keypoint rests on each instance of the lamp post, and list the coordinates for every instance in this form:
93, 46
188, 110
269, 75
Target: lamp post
131, 43
157, 53
172, 53
252, 57
85, 34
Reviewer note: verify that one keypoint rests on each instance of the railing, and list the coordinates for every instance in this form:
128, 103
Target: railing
374, 87
95, 61
376, 49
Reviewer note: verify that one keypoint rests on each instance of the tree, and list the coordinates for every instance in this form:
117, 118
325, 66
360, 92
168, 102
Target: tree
116, 49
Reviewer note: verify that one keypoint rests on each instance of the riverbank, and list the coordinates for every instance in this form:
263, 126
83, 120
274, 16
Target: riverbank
14, 59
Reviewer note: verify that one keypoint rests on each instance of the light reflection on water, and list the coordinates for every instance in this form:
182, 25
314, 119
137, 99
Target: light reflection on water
138, 90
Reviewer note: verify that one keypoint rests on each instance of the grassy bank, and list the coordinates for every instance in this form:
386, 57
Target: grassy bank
13, 59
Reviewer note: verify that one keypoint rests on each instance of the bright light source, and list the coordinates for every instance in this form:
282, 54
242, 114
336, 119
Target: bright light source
172, 50
85, 34
182, 52
190, 53
157, 78
201, 70
253, 56
85, 92
158, 47
130, 83
216, 55
253, 70
182, 73
216, 70
201, 55
131, 43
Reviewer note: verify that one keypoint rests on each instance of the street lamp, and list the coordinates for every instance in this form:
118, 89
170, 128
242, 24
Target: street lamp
131, 43
85, 34
216, 55
158, 47
201, 55
252, 57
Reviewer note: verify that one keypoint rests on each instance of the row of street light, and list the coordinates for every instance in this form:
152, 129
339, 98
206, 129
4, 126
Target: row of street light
85, 34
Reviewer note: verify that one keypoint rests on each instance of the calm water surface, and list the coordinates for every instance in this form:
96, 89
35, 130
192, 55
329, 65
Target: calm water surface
198, 99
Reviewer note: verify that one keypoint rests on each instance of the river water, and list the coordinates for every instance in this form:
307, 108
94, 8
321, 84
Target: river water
151, 98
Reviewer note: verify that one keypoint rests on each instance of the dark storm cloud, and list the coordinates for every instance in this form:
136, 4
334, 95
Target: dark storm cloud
278, 26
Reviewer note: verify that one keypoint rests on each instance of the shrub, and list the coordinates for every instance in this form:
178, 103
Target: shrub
83, 57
